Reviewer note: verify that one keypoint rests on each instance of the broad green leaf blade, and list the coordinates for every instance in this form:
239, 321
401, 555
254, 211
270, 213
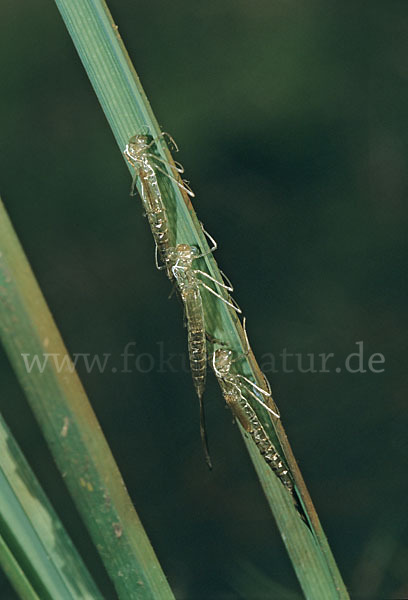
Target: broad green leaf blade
71, 429
32, 530
127, 110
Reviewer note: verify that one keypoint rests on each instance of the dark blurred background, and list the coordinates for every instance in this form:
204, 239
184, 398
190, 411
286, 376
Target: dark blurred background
293, 127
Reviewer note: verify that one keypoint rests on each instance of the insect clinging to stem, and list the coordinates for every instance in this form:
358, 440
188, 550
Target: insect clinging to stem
139, 153
235, 387
222, 362
179, 261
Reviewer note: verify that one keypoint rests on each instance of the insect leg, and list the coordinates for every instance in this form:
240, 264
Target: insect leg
176, 167
256, 387
132, 164
231, 304
214, 340
223, 275
170, 138
274, 413
268, 385
181, 184
214, 245
156, 259
146, 132
133, 186
220, 283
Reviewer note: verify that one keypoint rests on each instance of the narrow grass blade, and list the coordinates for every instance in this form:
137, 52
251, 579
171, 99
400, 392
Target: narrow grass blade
15, 573
127, 110
34, 534
71, 429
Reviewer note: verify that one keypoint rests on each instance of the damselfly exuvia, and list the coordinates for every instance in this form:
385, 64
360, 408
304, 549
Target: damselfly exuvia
236, 388
189, 283
139, 153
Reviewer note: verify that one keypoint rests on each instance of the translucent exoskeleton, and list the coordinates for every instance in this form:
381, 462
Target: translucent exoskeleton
235, 388
139, 153
180, 262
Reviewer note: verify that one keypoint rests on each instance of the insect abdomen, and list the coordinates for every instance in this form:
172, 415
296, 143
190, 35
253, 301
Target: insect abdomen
264, 444
196, 337
155, 211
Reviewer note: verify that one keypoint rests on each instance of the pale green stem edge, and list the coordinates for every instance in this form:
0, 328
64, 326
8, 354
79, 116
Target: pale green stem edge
33, 532
72, 431
15, 573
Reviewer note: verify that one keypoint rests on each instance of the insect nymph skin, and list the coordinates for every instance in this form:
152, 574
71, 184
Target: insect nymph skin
181, 260
180, 265
138, 155
233, 392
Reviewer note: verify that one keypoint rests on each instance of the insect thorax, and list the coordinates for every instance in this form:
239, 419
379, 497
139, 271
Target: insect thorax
223, 362
137, 145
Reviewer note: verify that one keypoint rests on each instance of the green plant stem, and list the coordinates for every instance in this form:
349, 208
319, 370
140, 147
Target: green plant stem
71, 429
34, 533
316, 580
127, 110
